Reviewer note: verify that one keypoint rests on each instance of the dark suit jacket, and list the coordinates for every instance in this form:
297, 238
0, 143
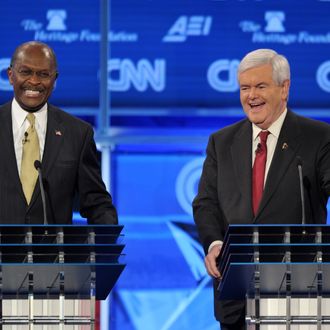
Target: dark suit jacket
69, 166
224, 194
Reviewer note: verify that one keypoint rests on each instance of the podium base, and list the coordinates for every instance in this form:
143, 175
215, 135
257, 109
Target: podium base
291, 327
47, 314
46, 327
293, 314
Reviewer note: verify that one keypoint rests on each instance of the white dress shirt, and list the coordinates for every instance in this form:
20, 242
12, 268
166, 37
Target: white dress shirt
20, 125
272, 139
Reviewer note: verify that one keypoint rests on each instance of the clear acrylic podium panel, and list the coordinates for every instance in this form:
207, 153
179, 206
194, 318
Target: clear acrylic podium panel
51, 276
283, 273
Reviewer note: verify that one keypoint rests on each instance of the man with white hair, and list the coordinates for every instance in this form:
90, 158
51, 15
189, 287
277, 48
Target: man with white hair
250, 172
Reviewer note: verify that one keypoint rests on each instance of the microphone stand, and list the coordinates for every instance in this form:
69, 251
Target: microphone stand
37, 166
302, 195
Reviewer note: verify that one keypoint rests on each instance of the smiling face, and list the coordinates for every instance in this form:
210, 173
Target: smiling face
32, 75
262, 99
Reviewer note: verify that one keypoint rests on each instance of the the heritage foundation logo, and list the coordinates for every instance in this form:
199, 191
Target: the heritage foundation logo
56, 28
274, 30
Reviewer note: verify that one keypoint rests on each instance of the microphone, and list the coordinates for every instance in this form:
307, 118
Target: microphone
37, 165
302, 196
25, 139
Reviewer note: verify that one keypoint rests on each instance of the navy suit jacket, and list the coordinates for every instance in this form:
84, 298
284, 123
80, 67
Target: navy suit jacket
69, 166
224, 194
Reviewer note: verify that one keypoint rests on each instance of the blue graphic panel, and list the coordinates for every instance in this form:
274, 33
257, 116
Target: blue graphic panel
167, 180
165, 282
171, 53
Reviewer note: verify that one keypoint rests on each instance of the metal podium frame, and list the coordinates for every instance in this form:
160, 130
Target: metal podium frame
57, 263
285, 264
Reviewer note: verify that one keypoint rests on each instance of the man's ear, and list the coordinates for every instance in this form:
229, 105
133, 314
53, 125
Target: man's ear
285, 89
10, 74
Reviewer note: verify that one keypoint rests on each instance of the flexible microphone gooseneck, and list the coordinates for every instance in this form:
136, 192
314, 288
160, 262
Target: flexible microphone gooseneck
37, 165
302, 195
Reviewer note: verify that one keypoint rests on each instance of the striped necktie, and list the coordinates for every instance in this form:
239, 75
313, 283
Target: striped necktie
258, 172
31, 153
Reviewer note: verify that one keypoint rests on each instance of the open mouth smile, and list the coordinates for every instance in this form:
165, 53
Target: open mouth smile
32, 92
256, 106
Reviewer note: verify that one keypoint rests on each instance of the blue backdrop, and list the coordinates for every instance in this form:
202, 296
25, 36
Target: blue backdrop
172, 79
171, 53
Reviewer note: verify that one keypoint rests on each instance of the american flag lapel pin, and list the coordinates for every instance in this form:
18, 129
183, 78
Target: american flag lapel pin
58, 133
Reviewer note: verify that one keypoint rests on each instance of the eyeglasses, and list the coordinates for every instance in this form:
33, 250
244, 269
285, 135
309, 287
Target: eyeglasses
42, 75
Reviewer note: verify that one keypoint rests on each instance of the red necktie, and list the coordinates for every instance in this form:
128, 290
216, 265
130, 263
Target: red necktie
258, 172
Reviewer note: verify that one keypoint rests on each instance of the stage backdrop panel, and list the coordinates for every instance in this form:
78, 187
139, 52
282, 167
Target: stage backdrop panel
171, 53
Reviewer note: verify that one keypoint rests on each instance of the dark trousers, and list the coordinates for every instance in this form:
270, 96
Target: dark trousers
232, 327
239, 325
235, 319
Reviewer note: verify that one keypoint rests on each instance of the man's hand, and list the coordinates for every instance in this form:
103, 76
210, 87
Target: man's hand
210, 261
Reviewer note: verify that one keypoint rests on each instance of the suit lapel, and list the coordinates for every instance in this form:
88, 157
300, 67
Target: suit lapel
53, 142
241, 154
7, 146
285, 153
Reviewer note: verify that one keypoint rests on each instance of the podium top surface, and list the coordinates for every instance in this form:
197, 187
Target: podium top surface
279, 228
266, 233
81, 255
66, 227
273, 253
56, 234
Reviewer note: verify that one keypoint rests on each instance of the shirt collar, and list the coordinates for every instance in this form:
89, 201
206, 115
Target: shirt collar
274, 128
19, 115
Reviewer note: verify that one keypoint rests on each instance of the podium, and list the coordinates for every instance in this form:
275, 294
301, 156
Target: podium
52, 275
283, 273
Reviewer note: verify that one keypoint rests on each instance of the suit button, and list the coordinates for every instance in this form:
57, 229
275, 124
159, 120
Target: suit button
27, 219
